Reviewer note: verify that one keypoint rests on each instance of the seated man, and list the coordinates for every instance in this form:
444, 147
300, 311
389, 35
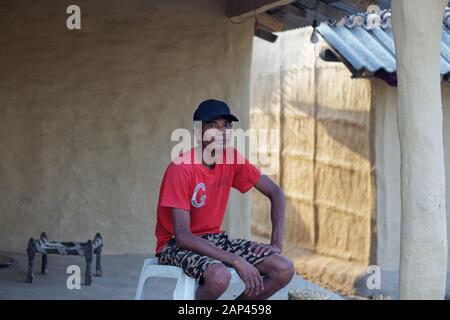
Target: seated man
192, 201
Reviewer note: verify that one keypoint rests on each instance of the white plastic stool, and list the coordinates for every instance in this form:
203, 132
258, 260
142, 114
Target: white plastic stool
186, 286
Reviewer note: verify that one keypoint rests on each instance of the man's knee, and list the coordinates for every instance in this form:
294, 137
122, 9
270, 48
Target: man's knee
282, 268
217, 278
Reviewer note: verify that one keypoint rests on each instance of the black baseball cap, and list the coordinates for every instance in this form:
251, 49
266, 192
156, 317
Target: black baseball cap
211, 109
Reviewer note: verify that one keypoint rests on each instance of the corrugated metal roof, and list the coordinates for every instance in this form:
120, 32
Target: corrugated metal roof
371, 49
302, 13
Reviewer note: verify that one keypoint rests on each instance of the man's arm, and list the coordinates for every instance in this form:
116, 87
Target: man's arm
186, 240
271, 190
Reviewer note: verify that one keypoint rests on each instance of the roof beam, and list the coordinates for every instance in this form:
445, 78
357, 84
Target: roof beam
363, 4
270, 22
239, 10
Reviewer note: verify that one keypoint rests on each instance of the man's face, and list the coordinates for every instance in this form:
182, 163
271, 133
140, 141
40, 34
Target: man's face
217, 131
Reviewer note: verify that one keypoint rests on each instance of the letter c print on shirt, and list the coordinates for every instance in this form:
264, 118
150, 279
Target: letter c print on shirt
202, 198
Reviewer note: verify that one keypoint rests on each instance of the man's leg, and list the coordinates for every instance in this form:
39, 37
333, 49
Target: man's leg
213, 274
216, 280
279, 271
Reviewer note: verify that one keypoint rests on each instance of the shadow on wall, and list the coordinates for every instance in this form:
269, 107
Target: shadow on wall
326, 147
340, 126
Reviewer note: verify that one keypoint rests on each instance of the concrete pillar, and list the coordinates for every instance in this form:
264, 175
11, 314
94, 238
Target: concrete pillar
417, 26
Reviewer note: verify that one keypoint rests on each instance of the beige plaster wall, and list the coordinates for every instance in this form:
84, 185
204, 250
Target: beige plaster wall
446, 113
387, 148
86, 116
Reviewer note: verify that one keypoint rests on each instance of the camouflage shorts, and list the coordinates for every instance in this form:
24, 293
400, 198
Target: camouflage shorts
195, 264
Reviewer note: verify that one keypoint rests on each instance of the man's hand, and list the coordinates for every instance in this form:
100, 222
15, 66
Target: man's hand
261, 249
253, 280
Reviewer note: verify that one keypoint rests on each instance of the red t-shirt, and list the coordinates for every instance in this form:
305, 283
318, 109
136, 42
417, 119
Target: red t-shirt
202, 191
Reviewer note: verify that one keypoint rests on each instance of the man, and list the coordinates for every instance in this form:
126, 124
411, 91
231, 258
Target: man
192, 201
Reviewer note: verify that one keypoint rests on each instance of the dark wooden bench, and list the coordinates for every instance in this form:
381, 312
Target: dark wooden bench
46, 247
